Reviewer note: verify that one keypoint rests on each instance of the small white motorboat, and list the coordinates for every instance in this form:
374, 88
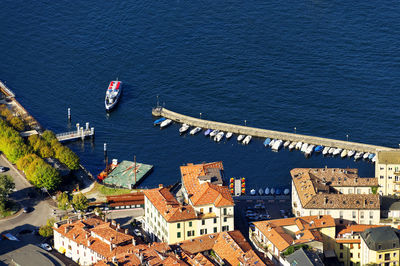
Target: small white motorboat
365, 156
286, 144
261, 191
286, 191
214, 133
183, 128
373, 159
228, 135
266, 191
351, 153
337, 151
165, 123
253, 192
331, 150
272, 142
219, 136
298, 145
272, 191
247, 139
325, 150
195, 130
343, 154
292, 145
304, 147
358, 155
310, 149
240, 138
277, 145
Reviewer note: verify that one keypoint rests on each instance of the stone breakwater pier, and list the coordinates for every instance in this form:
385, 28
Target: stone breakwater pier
265, 133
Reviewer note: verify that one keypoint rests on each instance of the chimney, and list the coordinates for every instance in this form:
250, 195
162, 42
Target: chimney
113, 222
118, 226
133, 241
74, 236
160, 186
111, 247
87, 236
67, 229
126, 231
56, 225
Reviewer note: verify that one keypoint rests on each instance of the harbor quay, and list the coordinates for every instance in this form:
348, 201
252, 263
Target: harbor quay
265, 133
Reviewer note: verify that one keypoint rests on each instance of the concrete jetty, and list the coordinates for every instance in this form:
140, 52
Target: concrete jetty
79, 133
265, 133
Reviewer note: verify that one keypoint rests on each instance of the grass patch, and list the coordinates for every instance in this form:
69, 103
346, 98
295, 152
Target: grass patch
107, 191
11, 209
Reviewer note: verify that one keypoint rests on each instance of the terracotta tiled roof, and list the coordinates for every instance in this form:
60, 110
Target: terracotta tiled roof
200, 259
233, 248
204, 193
199, 244
275, 232
314, 187
126, 199
168, 206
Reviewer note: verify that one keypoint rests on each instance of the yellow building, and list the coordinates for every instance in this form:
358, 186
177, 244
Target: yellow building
348, 243
381, 246
338, 192
202, 206
387, 171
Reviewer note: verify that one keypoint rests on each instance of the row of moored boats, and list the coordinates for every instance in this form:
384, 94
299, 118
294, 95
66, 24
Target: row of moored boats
274, 144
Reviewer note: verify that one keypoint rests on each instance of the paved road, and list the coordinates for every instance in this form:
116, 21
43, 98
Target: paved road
27, 196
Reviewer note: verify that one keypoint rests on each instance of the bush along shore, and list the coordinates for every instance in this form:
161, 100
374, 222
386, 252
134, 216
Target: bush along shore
28, 155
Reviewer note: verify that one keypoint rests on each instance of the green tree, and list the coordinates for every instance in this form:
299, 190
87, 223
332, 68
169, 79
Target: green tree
17, 123
24, 162
68, 157
49, 136
63, 201
14, 150
46, 152
80, 202
47, 177
47, 229
99, 212
6, 187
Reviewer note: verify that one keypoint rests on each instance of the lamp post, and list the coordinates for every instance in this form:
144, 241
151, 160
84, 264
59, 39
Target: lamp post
294, 130
200, 115
347, 137
245, 121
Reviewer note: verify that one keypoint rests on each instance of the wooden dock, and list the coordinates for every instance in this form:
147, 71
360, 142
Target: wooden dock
264, 133
79, 133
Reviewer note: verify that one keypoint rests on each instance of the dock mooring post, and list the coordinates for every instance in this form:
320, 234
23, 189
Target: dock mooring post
87, 126
69, 114
105, 151
77, 128
82, 135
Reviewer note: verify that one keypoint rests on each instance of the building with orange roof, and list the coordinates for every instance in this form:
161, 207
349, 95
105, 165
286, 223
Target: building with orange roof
90, 240
338, 192
202, 206
348, 243
275, 237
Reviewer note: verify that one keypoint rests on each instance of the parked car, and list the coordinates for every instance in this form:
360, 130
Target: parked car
68, 254
2, 169
45, 246
27, 209
137, 232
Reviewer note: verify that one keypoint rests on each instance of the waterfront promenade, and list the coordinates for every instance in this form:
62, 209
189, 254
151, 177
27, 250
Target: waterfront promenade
265, 133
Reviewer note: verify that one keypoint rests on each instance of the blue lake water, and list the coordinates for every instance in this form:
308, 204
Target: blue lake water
328, 68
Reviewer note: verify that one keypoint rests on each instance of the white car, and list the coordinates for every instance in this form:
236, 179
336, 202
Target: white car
68, 254
46, 246
2, 169
137, 232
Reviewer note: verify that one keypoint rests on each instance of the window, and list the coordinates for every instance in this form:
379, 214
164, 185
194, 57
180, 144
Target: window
201, 210
341, 214
215, 229
225, 228
190, 224
354, 214
341, 246
341, 255
178, 235
210, 209
203, 231
362, 215
190, 233
351, 255
394, 255
387, 256
381, 177
178, 225
358, 191
225, 211
215, 220
371, 215
225, 219
390, 177
390, 168
203, 222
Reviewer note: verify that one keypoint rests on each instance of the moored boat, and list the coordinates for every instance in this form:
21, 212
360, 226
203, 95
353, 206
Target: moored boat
278, 191
272, 191
292, 145
183, 128
219, 136
304, 147
159, 121
195, 130
165, 123
272, 142
331, 150
214, 133
373, 159
113, 94
247, 139
267, 141
309, 149
277, 145
253, 192
207, 132
371, 156
337, 151
266, 191
240, 138
286, 191
343, 154
365, 156
298, 145
319, 148
325, 150
228, 135
351, 153
286, 144
261, 191
358, 155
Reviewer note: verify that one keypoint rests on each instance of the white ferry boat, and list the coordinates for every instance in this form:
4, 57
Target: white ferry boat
112, 94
